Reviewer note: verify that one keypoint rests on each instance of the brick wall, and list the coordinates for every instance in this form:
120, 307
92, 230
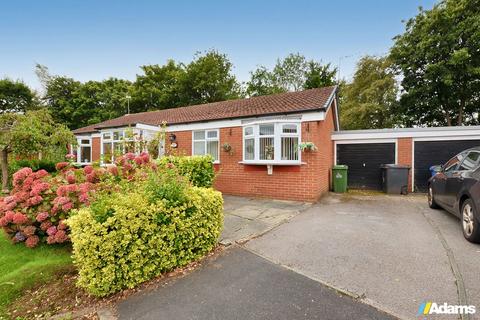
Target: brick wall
306, 182
96, 149
404, 156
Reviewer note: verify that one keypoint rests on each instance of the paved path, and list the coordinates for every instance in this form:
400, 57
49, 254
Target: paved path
242, 285
387, 250
246, 218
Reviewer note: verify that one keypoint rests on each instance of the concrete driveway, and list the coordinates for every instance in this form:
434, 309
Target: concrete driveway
388, 251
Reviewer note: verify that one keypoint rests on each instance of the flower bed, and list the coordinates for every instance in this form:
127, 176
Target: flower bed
39, 203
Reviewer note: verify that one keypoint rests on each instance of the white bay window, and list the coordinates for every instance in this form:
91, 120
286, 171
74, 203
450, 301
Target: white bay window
206, 142
271, 142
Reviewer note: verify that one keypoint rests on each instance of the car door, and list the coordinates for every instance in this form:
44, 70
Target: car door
455, 181
441, 178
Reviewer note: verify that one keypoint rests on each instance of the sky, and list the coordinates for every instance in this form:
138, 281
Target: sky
95, 40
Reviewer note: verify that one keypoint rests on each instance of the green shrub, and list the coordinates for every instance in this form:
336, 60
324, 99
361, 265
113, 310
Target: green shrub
137, 240
197, 169
35, 164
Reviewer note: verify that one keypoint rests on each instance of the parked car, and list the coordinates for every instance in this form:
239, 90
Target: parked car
456, 188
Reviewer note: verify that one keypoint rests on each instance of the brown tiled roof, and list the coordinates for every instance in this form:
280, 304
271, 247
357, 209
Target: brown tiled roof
282, 103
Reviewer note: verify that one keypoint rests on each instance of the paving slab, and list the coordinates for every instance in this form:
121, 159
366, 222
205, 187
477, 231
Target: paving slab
242, 285
381, 248
246, 218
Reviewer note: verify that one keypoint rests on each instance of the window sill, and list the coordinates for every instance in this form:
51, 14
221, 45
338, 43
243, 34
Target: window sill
272, 163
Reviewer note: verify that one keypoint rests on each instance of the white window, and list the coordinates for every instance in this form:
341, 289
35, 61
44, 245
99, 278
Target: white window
206, 142
84, 150
272, 142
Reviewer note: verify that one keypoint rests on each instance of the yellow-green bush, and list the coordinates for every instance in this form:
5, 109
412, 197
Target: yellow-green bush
197, 169
139, 240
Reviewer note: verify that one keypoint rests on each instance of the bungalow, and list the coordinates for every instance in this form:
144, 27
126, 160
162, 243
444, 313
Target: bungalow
255, 142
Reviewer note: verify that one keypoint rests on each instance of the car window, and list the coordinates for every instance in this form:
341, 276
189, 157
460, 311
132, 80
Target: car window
470, 161
453, 163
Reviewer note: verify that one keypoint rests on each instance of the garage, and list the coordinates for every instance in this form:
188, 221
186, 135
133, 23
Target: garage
428, 153
363, 161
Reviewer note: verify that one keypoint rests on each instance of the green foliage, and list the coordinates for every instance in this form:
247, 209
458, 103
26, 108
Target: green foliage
35, 164
15, 96
368, 102
168, 187
30, 134
293, 73
197, 169
438, 59
22, 268
141, 239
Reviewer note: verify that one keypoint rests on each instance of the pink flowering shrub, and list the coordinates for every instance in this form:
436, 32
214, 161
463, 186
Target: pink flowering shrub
39, 203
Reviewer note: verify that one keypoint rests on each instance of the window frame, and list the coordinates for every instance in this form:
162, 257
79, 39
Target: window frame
206, 139
475, 166
80, 144
277, 142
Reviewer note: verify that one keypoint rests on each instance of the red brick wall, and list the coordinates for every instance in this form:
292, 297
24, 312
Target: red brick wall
306, 182
404, 156
96, 149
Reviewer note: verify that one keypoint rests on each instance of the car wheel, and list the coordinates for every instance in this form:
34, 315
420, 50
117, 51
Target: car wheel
470, 227
431, 200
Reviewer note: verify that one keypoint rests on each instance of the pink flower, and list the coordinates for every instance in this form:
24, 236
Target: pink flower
61, 165
61, 236
51, 239
62, 191
71, 178
84, 187
39, 188
42, 216
138, 160
88, 169
113, 170
29, 230
33, 201
19, 218
9, 215
128, 166
146, 157
61, 225
3, 222
41, 173
129, 156
10, 206
72, 188
45, 225
61, 200
52, 230
70, 156
32, 241
83, 197
67, 206
92, 178
20, 175
9, 199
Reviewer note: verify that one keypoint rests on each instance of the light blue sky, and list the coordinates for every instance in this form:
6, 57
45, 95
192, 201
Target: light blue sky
92, 40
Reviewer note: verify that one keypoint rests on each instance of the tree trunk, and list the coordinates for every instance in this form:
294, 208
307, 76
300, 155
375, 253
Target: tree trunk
4, 166
449, 120
460, 112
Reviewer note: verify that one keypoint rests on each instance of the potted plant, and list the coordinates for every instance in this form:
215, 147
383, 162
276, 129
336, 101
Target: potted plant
308, 146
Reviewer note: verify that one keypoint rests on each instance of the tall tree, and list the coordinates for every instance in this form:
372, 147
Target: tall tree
369, 100
439, 61
208, 78
158, 87
293, 73
28, 134
15, 96
318, 75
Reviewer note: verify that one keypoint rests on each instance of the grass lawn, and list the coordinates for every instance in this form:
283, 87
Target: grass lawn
22, 268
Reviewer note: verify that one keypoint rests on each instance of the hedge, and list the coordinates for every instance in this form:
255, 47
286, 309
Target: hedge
139, 240
197, 169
